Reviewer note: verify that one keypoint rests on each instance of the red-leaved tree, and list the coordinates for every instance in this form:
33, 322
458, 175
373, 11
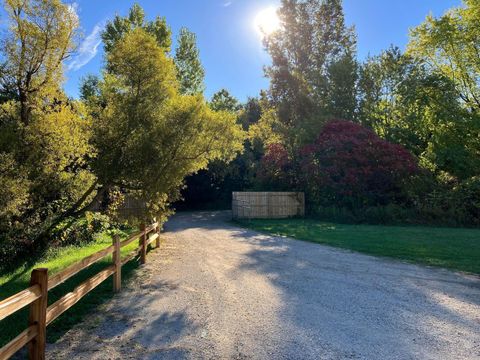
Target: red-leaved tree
349, 165
275, 171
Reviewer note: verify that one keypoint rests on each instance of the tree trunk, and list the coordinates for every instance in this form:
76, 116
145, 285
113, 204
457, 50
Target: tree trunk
74, 209
24, 108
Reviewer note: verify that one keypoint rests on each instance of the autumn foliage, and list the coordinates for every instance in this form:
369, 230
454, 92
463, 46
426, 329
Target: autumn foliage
275, 171
347, 165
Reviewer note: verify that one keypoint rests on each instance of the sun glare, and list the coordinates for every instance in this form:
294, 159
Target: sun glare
267, 21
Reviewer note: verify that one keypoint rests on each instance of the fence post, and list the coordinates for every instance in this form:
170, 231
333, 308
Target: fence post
117, 261
38, 315
143, 244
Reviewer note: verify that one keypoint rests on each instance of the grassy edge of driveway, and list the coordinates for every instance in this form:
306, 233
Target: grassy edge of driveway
451, 248
56, 260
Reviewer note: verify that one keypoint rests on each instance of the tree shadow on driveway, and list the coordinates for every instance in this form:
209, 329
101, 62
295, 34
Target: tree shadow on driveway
279, 298
341, 304
121, 329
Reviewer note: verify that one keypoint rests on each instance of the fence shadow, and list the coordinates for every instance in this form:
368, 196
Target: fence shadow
120, 329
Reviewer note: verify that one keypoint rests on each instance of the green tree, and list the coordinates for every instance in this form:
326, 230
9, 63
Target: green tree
190, 72
313, 71
450, 44
40, 38
89, 88
149, 137
116, 29
212, 187
43, 134
222, 100
385, 83
251, 113
408, 103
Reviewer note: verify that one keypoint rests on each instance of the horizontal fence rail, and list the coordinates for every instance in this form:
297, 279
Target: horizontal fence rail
41, 315
77, 267
19, 301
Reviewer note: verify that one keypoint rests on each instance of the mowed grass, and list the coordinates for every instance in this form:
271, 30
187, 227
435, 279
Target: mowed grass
55, 261
452, 248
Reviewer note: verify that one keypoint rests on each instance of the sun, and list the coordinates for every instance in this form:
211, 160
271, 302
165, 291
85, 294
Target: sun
267, 21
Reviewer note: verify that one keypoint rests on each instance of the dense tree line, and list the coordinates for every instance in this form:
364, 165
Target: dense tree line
424, 100
395, 137
138, 129
211, 188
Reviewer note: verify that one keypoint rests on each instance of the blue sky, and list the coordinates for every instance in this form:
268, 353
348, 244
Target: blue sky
230, 46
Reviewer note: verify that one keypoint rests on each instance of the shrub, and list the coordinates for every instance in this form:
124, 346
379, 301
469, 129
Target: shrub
275, 172
388, 214
468, 194
453, 204
14, 194
81, 231
350, 166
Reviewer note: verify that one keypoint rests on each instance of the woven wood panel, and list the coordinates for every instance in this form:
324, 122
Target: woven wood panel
267, 205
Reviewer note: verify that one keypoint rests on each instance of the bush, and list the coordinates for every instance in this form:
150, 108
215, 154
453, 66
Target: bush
351, 175
468, 195
350, 166
456, 204
275, 171
81, 231
334, 214
388, 214
13, 190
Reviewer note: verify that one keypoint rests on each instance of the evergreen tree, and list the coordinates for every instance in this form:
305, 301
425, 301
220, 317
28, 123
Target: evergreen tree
222, 100
120, 26
190, 72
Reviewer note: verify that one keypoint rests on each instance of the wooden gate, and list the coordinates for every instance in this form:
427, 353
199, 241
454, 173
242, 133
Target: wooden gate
267, 205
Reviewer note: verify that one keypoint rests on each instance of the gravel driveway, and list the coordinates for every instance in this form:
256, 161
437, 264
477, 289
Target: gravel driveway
215, 291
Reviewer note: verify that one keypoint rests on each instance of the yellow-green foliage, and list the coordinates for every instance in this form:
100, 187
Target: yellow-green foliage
450, 44
13, 189
149, 136
44, 133
41, 35
59, 140
135, 133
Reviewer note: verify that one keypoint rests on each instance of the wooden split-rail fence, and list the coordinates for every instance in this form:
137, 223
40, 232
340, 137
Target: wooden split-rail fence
36, 295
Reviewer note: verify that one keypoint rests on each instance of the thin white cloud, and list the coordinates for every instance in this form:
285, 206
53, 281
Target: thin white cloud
227, 3
88, 48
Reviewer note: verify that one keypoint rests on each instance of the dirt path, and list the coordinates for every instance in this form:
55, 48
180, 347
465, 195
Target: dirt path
214, 291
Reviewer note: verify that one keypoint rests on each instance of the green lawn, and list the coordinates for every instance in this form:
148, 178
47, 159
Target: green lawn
55, 261
452, 248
